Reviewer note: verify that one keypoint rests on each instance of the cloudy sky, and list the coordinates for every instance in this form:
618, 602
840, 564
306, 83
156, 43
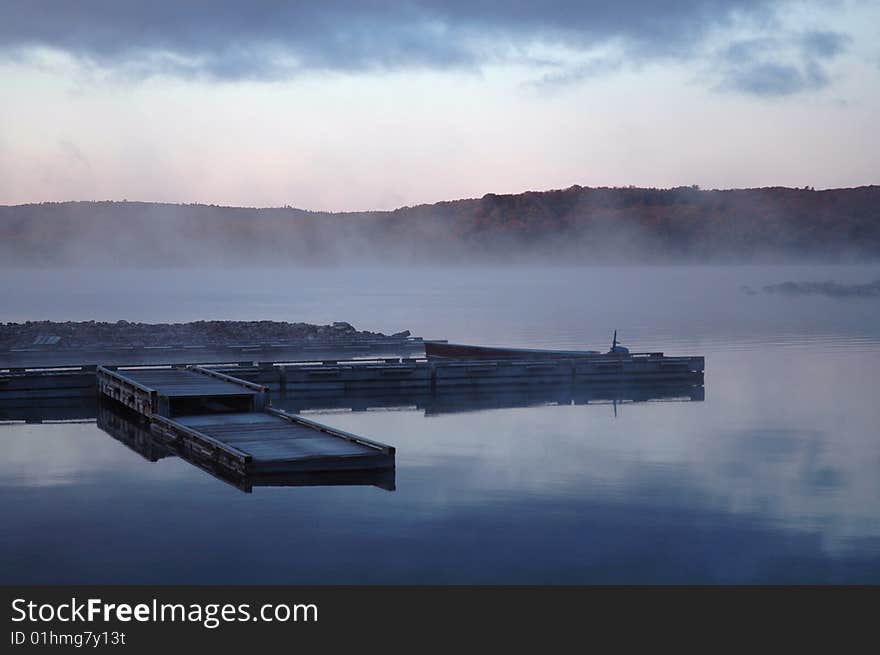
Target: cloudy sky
362, 104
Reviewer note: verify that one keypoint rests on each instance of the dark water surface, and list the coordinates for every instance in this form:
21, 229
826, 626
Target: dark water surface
774, 477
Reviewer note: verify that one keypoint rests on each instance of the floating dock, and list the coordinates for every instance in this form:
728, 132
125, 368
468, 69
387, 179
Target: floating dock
216, 417
272, 441
127, 427
166, 392
413, 373
409, 374
217, 414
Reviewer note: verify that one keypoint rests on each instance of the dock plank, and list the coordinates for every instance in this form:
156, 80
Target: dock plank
267, 437
182, 382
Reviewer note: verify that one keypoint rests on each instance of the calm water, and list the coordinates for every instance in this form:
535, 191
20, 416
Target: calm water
774, 477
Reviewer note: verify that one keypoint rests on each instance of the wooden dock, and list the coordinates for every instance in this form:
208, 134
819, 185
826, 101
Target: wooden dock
419, 373
169, 391
273, 441
410, 374
128, 428
217, 418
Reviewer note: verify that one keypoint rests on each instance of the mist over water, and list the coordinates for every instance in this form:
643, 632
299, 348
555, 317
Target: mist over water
771, 478
654, 307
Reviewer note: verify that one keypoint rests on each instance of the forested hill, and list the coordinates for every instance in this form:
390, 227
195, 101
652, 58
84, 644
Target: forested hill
574, 225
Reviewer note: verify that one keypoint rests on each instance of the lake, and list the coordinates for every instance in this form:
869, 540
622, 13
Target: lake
773, 477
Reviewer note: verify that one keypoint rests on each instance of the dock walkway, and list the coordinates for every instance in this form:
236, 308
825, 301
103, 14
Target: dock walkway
127, 428
227, 421
180, 390
274, 441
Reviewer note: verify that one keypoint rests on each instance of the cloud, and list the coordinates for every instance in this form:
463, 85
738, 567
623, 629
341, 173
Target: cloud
573, 74
229, 39
781, 65
269, 40
770, 79
823, 44
72, 153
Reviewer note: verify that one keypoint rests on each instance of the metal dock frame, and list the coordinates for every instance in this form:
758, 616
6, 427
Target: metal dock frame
201, 446
135, 396
150, 402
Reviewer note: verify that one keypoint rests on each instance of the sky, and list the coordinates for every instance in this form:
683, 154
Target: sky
359, 104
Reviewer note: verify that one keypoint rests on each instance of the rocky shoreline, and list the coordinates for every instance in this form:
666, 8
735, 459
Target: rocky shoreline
124, 334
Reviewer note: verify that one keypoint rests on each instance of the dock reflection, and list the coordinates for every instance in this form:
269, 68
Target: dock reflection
460, 400
129, 430
46, 410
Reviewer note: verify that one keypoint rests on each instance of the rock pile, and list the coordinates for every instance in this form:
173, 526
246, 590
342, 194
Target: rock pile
87, 334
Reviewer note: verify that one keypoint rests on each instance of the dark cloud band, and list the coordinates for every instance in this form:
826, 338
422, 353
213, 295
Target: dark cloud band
261, 39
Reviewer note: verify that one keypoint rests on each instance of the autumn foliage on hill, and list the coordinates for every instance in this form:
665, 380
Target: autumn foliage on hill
574, 225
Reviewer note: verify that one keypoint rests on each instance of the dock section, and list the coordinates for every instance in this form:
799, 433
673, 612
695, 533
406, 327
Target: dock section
129, 429
414, 374
405, 374
166, 392
214, 417
272, 441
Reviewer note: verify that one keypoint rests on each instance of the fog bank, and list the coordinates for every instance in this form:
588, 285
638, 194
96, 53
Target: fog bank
573, 226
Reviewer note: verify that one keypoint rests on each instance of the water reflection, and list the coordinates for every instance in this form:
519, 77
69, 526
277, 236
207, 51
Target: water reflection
45, 410
537, 492
772, 479
478, 398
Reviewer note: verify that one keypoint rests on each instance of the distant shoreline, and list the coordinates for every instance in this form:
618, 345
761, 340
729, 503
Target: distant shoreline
577, 225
